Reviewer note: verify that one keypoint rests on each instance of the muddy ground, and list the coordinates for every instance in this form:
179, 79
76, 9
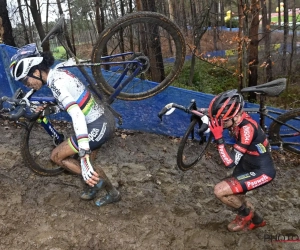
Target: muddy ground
161, 207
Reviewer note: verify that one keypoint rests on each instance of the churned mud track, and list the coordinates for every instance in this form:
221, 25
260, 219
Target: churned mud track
161, 207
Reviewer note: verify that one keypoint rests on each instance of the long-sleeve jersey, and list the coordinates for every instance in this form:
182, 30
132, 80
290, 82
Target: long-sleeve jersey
251, 147
72, 96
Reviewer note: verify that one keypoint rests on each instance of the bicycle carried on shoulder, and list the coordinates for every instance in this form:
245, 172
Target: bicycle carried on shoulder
283, 132
134, 58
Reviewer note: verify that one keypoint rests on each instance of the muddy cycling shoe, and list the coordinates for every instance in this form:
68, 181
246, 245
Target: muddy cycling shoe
252, 226
240, 222
91, 192
108, 199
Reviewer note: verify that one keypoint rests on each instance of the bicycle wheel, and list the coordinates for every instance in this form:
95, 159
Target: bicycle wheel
37, 145
192, 146
154, 40
289, 137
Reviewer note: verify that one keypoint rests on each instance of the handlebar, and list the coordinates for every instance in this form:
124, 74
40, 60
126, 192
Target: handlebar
191, 109
14, 104
18, 102
171, 107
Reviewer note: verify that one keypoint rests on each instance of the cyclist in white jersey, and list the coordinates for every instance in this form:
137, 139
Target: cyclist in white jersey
93, 124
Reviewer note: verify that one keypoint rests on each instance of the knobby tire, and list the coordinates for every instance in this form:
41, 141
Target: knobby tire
151, 34
280, 132
36, 148
191, 147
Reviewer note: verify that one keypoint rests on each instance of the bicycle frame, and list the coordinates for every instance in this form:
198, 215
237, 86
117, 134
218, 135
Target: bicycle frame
44, 121
119, 85
46, 124
19, 102
91, 83
262, 111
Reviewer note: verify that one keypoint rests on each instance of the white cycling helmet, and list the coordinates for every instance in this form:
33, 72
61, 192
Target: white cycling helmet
26, 57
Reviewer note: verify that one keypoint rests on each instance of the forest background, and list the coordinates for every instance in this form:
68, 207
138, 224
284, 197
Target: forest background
262, 35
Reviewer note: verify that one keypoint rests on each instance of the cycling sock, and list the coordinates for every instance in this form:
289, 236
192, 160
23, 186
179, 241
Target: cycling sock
257, 219
243, 210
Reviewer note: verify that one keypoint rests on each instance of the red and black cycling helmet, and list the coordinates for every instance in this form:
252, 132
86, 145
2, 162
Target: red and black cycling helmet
226, 105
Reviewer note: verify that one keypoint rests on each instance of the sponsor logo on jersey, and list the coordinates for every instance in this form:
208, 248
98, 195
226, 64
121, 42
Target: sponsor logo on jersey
261, 148
102, 132
243, 176
96, 134
246, 134
237, 157
93, 134
225, 158
252, 173
55, 90
257, 181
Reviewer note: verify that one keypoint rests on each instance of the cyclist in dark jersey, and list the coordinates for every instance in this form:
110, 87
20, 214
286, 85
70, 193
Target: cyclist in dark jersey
92, 123
250, 156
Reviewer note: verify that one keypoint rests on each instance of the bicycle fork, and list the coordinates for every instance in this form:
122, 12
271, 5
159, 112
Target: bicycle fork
57, 137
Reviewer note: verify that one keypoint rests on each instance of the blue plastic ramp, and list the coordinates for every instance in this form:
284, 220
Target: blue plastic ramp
137, 115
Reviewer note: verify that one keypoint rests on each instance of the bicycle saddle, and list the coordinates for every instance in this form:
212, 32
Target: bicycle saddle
273, 88
57, 29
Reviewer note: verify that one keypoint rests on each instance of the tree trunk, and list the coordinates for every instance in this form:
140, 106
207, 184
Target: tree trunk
122, 8
65, 27
5, 26
293, 47
171, 10
221, 13
215, 25
266, 30
253, 46
148, 5
47, 16
285, 36
184, 19
72, 30
192, 68
152, 44
38, 23
114, 10
241, 44
130, 6
269, 70
23, 22
279, 12
29, 22
98, 16
199, 24
139, 5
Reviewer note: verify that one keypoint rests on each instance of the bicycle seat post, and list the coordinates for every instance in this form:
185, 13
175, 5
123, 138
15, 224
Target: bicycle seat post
262, 110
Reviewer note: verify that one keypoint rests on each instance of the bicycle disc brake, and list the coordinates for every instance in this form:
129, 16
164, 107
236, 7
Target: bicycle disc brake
141, 58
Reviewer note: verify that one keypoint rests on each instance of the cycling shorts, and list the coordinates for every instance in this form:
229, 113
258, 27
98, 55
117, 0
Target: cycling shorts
245, 180
99, 131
